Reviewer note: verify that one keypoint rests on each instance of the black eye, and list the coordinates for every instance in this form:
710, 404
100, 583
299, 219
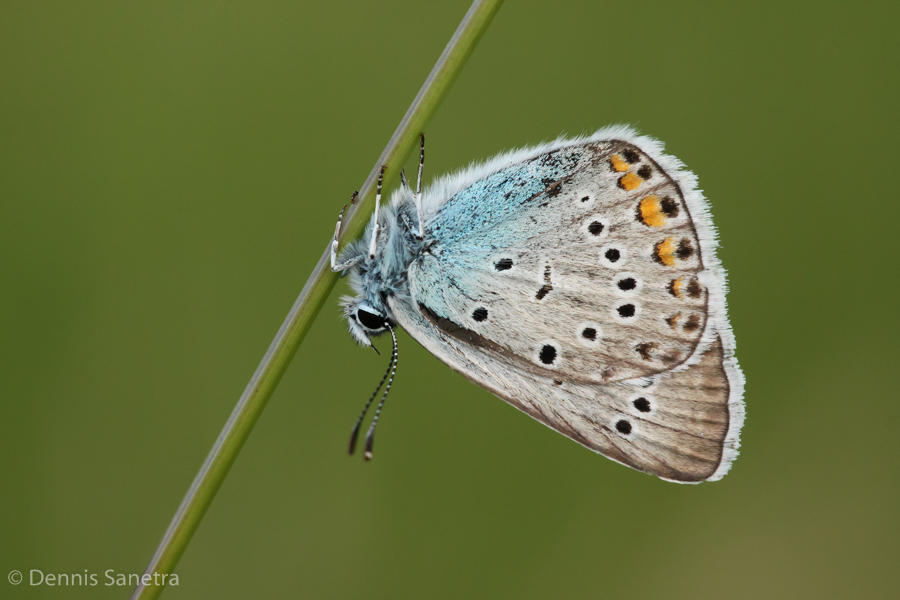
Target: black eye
370, 320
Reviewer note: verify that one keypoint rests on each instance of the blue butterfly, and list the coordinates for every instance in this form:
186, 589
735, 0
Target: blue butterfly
576, 280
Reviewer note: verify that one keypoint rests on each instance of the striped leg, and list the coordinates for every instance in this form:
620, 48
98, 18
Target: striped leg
334, 242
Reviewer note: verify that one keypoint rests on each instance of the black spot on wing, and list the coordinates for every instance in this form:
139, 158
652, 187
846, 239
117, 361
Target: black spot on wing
547, 288
626, 311
642, 404
627, 284
694, 289
542, 293
692, 324
669, 207
596, 228
548, 354
685, 249
503, 264
631, 156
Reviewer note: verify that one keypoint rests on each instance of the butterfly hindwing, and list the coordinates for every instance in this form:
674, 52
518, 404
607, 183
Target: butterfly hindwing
679, 425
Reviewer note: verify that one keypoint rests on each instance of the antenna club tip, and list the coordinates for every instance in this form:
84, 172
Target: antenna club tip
368, 455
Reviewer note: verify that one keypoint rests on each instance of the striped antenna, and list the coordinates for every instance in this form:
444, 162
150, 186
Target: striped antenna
370, 437
377, 228
355, 434
419, 212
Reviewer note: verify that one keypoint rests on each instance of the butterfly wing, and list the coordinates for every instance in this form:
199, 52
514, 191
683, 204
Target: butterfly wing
681, 426
565, 279
583, 261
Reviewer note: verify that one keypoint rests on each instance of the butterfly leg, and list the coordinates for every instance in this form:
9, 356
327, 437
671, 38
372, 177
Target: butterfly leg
419, 210
377, 229
334, 242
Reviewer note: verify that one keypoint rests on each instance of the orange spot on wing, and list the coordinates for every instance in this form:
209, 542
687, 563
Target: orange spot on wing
618, 163
651, 212
665, 252
630, 181
675, 287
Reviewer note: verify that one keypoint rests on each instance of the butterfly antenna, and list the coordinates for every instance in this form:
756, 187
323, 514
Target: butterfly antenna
419, 212
370, 437
377, 227
355, 434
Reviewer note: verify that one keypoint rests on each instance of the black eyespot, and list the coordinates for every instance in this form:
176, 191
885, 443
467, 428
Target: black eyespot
596, 228
589, 333
548, 354
669, 207
693, 289
627, 284
586, 198
370, 320
685, 249
613, 255
631, 156
642, 404
504, 264
626, 310
480, 314
623, 426
692, 324
645, 172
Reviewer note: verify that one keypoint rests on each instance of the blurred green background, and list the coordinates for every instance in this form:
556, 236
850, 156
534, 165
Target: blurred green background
170, 172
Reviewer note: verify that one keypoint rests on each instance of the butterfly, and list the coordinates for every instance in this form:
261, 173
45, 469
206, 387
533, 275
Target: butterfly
576, 280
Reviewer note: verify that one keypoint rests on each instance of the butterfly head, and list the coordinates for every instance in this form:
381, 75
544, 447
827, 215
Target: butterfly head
365, 320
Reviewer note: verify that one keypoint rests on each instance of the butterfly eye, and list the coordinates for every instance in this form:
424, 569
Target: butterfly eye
370, 320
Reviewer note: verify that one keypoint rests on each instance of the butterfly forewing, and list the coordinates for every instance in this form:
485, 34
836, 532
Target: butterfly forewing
583, 265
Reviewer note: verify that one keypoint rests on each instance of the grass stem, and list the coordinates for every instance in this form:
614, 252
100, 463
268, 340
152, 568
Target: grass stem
320, 283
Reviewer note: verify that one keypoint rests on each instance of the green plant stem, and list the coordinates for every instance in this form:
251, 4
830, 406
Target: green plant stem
306, 308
